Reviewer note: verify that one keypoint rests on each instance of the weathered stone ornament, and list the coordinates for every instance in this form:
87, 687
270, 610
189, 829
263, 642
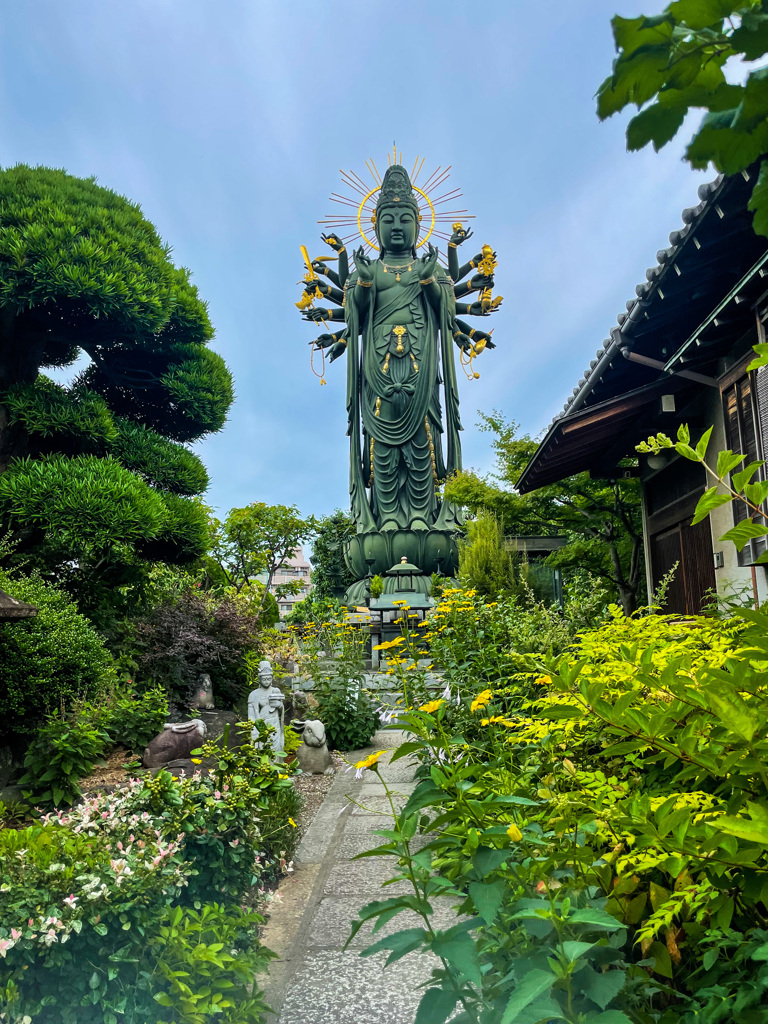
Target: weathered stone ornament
175, 743
203, 696
400, 319
313, 755
267, 703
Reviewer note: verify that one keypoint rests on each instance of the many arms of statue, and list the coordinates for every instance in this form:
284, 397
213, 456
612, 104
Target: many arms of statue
337, 343
319, 266
326, 290
459, 236
321, 315
467, 337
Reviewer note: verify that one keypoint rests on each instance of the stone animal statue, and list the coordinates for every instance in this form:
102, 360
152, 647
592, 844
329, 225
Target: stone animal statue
313, 755
176, 742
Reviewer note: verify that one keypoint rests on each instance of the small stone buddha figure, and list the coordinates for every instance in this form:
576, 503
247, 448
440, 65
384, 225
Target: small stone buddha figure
266, 703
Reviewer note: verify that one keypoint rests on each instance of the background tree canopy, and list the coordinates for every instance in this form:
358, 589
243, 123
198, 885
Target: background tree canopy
96, 478
676, 61
600, 518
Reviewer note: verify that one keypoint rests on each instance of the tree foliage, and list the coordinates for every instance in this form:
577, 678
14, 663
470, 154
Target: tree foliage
485, 564
330, 573
194, 633
47, 661
675, 62
97, 474
256, 541
601, 519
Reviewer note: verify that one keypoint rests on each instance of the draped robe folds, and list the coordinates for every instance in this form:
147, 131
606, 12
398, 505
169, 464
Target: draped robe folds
390, 452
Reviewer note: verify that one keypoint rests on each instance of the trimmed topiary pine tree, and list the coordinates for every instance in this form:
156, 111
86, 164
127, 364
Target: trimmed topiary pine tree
96, 478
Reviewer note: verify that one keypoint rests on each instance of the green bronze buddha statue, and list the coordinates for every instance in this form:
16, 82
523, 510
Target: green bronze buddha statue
402, 397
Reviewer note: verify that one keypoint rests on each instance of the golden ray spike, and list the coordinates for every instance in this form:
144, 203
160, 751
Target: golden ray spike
376, 169
439, 181
394, 153
418, 172
446, 196
401, 156
363, 188
414, 167
351, 182
432, 175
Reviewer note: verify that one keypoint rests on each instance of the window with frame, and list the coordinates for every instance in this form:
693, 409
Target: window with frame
745, 409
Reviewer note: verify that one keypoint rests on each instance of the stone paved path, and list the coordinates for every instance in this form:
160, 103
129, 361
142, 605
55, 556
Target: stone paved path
316, 981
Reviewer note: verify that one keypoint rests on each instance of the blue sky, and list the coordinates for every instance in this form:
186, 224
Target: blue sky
228, 122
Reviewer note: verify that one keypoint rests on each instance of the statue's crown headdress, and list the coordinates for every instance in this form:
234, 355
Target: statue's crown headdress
396, 188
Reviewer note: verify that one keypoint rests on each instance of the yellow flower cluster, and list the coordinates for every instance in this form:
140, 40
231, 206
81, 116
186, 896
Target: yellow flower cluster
389, 644
498, 718
370, 761
481, 700
433, 705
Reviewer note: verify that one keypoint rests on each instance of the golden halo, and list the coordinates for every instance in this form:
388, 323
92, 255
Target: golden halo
433, 194
378, 189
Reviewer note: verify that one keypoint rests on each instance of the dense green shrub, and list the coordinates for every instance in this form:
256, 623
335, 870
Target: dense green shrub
478, 643
131, 719
279, 831
89, 933
65, 750
485, 564
47, 661
190, 634
231, 819
347, 712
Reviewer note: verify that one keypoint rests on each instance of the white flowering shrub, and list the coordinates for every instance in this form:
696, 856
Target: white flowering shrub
91, 930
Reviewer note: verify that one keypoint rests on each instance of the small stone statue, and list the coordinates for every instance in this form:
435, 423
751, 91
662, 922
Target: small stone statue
266, 703
203, 696
313, 755
176, 742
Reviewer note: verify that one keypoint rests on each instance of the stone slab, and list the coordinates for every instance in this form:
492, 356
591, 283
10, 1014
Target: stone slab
352, 845
363, 825
400, 771
377, 789
332, 923
364, 877
341, 988
376, 805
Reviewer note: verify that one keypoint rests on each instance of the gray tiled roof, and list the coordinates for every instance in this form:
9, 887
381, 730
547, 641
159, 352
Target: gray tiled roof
636, 306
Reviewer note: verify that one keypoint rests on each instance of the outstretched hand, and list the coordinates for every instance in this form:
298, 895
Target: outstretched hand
316, 315
334, 241
460, 236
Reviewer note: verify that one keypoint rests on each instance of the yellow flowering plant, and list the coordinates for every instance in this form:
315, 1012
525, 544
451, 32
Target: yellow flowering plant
604, 826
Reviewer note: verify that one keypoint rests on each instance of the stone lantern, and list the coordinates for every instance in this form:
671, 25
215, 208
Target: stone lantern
402, 599
12, 610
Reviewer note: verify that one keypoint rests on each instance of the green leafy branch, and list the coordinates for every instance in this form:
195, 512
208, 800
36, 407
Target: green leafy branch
675, 62
729, 486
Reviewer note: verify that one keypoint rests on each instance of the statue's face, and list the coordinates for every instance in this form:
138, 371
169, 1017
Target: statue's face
396, 229
265, 679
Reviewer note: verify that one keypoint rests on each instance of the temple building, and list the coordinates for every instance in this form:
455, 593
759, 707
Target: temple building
679, 355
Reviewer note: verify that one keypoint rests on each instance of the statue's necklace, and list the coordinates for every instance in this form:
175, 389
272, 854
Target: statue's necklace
395, 270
